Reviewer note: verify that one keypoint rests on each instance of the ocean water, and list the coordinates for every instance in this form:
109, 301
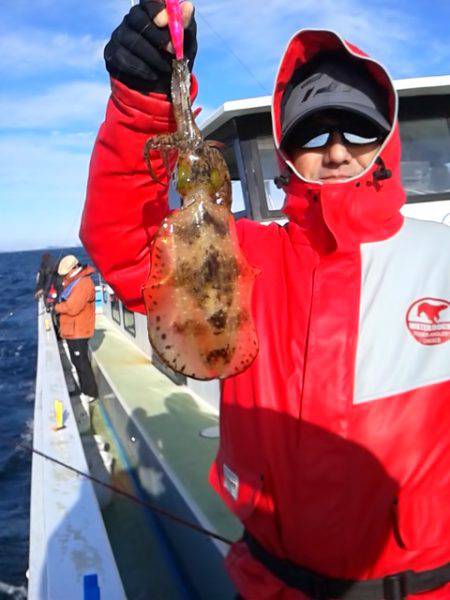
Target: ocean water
18, 354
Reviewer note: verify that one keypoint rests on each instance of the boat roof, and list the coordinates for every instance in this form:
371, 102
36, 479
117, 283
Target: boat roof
416, 86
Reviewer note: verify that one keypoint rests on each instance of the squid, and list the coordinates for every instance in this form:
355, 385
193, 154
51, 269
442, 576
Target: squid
199, 291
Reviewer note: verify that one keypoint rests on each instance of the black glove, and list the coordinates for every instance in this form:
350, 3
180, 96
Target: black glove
135, 53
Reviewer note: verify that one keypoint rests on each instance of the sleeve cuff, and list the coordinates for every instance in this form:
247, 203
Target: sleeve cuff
154, 107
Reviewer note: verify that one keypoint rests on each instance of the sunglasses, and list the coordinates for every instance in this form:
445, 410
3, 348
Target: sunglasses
321, 138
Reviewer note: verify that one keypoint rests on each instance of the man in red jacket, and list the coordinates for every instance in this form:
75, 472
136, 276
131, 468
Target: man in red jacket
334, 447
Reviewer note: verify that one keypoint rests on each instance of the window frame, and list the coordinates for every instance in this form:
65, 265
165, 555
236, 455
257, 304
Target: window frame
254, 177
115, 302
131, 329
424, 106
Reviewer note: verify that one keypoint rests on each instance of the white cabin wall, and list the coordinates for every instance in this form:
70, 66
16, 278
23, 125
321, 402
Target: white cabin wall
437, 210
208, 390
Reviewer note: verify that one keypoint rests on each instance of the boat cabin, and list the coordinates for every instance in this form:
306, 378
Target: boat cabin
245, 127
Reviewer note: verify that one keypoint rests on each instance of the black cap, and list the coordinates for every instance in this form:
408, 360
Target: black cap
333, 81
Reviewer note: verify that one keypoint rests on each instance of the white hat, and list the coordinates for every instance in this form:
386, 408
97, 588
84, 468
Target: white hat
67, 264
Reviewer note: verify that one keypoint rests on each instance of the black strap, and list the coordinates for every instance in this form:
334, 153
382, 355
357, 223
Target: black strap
318, 587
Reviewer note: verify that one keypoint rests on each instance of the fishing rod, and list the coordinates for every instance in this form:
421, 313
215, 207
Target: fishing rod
156, 509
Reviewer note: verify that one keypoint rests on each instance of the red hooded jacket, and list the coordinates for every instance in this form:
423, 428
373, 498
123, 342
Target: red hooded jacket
334, 447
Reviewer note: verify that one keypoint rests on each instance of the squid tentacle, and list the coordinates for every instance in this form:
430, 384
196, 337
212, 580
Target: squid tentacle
165, 144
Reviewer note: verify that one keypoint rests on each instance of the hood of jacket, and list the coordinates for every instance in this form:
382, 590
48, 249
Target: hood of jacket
338, 216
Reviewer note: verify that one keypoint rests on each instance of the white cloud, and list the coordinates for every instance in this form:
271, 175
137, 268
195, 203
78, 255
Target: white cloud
104, 14
43, 181
31, 51
76, 104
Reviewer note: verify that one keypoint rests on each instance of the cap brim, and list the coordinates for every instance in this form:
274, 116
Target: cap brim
368, 113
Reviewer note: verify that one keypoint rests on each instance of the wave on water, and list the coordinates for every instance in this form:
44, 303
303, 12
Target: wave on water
17, 592
29, 397
27, 434
11, 459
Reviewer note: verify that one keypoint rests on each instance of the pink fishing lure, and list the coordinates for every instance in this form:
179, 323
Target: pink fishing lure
175, 18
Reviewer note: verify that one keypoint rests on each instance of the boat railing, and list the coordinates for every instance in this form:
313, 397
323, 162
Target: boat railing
69, 545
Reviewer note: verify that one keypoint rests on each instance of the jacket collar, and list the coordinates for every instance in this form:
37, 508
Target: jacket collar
85, 272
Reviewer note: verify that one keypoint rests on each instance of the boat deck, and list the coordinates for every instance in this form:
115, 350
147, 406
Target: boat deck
158, 415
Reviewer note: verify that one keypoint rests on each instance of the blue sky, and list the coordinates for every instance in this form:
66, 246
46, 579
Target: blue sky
54, 87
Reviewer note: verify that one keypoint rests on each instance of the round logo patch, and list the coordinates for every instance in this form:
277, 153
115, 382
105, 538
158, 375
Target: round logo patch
428, 320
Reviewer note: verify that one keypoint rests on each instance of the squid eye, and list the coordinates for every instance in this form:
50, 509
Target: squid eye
216, 179
183, 177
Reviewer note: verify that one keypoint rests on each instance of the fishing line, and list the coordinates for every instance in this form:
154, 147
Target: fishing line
11, 311
69, 232
136, 500
131, 497
224, 42
241, 62
232, 52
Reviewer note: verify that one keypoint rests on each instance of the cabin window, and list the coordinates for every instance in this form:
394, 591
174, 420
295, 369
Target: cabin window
237, 204
269, 167
425, 133
426, 156
115, 309
129, 322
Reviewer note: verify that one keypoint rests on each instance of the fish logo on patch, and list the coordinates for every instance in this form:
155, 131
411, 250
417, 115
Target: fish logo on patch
428, 321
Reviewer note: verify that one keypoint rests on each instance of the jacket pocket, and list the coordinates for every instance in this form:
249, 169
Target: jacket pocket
423, 520
67, 326
239, 488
